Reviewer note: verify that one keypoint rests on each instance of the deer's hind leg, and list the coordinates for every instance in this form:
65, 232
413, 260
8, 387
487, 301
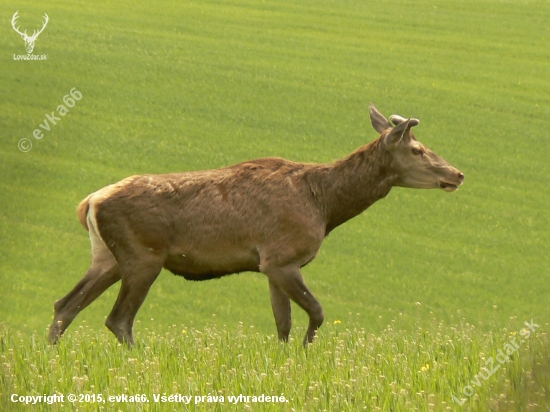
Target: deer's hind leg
138, 274
103, 273
136, 281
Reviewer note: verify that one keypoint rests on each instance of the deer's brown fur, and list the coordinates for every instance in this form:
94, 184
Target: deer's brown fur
266, 215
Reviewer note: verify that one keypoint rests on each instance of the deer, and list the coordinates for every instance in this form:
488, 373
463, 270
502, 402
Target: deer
267, 215
29, 40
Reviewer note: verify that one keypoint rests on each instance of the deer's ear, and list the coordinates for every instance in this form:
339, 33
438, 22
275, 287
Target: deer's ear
399, 132
379, 122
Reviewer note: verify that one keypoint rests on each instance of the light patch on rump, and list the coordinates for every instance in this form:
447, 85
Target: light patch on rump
100, 251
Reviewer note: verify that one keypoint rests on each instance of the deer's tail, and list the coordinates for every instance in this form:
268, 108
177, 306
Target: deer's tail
82, 211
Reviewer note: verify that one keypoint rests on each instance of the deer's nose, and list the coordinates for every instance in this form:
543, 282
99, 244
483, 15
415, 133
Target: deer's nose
461, 177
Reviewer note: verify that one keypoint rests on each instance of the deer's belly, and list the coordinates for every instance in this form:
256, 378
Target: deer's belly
204, 265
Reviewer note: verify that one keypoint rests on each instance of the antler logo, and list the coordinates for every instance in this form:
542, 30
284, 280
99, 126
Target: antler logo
29, 40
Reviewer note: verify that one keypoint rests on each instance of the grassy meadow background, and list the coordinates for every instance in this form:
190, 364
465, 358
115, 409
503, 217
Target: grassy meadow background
179, 86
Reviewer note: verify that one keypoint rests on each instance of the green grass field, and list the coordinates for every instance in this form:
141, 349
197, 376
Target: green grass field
195, 85
346, 369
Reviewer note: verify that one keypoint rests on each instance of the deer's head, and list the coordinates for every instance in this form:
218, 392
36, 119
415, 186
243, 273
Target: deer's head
29, 40
414, 165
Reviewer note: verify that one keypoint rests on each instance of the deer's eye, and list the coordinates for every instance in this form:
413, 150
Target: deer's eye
417, 151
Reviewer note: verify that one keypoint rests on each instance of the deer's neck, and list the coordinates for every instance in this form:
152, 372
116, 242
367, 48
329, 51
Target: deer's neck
347, 187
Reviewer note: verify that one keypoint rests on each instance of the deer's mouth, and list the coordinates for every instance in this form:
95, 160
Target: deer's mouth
448, 187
